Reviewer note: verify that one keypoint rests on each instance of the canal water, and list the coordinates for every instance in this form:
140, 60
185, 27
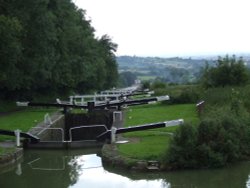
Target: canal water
83, 168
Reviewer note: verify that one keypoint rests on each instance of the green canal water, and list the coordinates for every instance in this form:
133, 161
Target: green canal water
83, 168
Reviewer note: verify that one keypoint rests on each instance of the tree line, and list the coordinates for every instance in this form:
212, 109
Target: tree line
48, 47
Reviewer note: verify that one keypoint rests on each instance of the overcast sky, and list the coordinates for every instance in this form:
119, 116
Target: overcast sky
172, 27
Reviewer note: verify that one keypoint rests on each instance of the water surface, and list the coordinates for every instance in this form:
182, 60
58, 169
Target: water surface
83, 168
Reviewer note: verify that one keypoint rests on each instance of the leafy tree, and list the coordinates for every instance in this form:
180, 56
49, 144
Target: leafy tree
228, 71
10, 53
48, 46
108, 49
127, 78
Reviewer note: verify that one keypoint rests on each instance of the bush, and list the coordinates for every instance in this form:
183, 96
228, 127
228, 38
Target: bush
188, 95
221, 137
182, 148
184, 95
158, 85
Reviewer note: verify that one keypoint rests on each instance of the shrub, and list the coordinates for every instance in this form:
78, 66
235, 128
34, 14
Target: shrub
158, 85
182, 148
184, 95
221, 137
188, 95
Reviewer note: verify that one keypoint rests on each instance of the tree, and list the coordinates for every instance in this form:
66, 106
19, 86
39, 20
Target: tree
228, 71
107, 50
48, 46
127, 78
10, 53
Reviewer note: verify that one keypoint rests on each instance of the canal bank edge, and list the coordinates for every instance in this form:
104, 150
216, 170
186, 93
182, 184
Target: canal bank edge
11, 157
111, 157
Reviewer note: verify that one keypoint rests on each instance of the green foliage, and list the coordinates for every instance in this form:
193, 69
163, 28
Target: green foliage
158, 85
181, 151
48, 46
187, 95
10, 52
221, 137
127, 78
145, 84
181, 94
220, 96
227, 72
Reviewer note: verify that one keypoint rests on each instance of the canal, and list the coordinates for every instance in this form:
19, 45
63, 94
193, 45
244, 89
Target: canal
83, 168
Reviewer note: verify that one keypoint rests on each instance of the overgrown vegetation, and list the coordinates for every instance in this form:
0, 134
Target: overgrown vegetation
223, 134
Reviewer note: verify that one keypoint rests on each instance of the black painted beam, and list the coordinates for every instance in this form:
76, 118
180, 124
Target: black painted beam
33, 139
107, 134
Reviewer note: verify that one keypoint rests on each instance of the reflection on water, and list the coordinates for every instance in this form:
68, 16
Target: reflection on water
78, 168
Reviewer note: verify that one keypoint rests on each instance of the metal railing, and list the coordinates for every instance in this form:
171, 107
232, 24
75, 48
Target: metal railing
61, 131
84, 127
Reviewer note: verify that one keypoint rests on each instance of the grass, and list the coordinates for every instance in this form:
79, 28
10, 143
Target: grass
160, 112
153, 143
6, 150
150, 147
22, 120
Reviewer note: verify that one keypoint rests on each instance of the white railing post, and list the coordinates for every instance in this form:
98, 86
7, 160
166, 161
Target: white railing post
17, 134
47, 119
113, 136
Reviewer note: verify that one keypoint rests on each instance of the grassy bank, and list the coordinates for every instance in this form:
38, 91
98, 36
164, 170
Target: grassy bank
4, 151
22, 120
152, 144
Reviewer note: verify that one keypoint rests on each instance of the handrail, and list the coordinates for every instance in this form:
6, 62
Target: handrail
50, 128
84, 126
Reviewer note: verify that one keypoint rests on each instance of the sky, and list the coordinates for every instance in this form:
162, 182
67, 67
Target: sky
168, 28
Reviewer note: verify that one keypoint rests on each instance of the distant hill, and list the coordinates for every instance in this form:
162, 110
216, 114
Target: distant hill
172, 70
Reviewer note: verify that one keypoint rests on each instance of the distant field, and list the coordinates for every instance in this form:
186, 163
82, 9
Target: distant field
146, 78
153, 143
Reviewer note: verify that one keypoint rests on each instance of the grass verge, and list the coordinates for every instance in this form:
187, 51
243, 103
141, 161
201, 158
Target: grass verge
152, 144
22, 120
